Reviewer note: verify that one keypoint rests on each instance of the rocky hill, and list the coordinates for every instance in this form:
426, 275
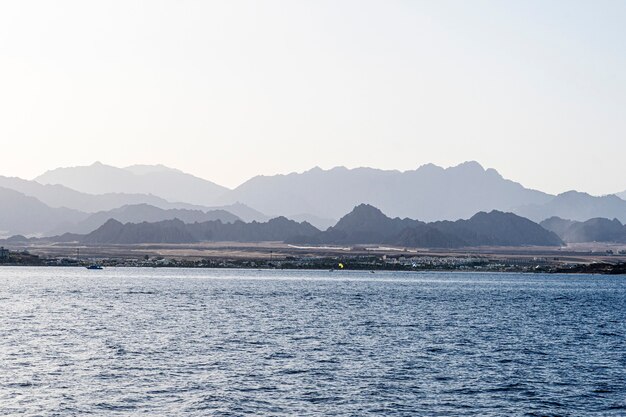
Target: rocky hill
176, 231
368, 225
592, 230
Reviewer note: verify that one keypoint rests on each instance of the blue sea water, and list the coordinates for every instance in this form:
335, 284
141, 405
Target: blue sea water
170, 342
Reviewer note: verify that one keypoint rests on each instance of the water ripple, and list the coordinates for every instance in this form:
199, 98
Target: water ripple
275, 343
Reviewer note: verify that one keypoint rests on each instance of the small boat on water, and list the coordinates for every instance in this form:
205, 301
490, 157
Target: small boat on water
95, 266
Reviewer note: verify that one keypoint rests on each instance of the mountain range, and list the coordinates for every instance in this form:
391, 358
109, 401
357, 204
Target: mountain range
56, 195
592, 230
428, 193
320, 197
576, 206
145, 213
365, 224
21, 214
176, 231
168, 183
27, 215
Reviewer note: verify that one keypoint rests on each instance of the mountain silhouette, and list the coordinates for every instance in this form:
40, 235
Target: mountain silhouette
577, 206
368, 225
61, 196
115, 232
428, 193
167, 183
146, 213
176, 231
21, 214
245, 213
592, 230
319, 197
56, 209
365, 224
498, 229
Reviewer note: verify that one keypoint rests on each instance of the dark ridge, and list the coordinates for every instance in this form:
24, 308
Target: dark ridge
368, 225
365, 224
176, 231
592, 230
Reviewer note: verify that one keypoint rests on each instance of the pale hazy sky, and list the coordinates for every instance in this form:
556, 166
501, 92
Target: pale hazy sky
230, 89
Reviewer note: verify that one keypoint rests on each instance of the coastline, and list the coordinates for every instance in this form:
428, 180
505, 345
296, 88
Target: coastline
272, 256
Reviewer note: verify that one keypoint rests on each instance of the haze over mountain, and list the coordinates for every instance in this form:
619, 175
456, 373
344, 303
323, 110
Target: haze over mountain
366, 224
498, 229
575, 205
55, 209
62, 196
168, 183
428, 193
144, 213
319, 222
21, 214
317, 196
245, 213
592, 230
176, 231
83, 204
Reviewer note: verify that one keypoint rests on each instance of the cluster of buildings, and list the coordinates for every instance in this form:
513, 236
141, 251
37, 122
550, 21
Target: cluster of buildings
18, 258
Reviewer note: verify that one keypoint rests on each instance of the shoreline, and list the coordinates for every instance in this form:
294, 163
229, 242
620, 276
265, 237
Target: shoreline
601, 259
583, 269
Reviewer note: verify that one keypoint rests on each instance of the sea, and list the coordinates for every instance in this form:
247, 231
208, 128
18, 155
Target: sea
231, 342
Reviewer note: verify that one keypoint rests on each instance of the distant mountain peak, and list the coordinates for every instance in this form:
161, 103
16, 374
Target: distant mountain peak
430, 167
493, 172
576, 205
365, 212
366, 224
428, 193
573, 193
97, 165
177, 231
469, 165
157, 180
140, 169
592, 230
112, 222
490, 213
366, 207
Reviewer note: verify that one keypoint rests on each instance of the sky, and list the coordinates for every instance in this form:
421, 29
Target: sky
230, 89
